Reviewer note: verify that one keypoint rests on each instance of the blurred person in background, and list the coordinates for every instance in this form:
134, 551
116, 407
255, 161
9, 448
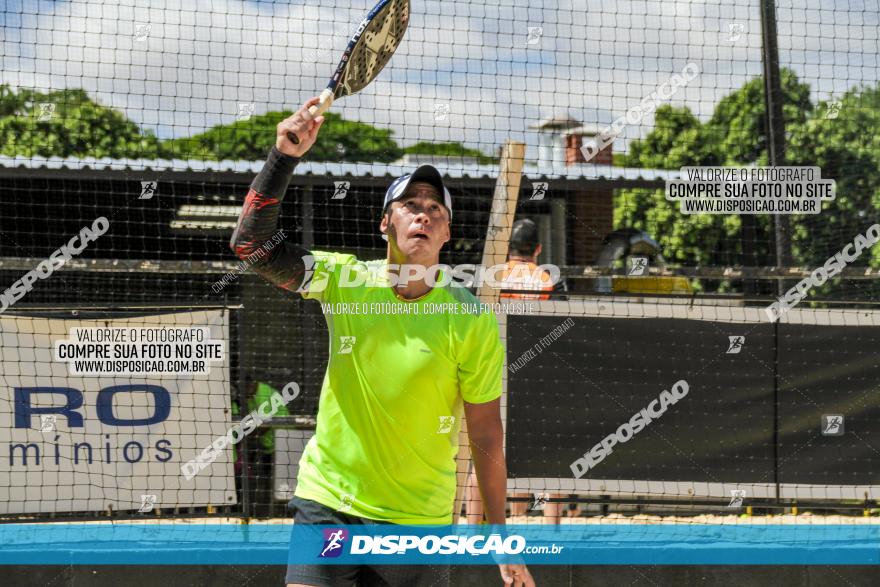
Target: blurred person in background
521, 274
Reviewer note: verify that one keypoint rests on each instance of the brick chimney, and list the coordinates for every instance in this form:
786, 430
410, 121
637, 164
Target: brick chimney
574, 140
560, 140
551, 139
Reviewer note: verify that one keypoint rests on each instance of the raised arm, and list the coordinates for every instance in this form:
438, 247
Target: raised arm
277, 260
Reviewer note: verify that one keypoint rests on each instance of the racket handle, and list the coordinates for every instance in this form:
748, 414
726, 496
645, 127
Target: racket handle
314, 111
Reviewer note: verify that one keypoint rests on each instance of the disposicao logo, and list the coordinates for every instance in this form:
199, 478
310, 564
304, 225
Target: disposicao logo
333, 540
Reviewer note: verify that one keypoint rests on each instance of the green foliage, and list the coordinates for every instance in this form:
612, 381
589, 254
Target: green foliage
251, 139
448, 150
735, 135
676, 141
74, 125
847, 149
737, 129
77, 127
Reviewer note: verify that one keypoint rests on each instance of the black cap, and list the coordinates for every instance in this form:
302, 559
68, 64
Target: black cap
426, 173
524, 237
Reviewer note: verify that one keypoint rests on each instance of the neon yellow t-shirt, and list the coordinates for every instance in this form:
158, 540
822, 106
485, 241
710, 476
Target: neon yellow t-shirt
391, 402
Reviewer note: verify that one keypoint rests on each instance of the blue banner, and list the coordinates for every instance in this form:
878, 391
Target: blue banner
183, 543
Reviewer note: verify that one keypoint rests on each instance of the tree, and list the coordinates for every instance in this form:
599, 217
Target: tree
844, 141
67, 123
737, 128
251, 140
448, 150
677, 140
735, 135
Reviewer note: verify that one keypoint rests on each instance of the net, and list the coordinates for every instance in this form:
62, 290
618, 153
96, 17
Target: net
129, 135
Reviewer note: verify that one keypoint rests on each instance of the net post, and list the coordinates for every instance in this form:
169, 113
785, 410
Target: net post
246, 509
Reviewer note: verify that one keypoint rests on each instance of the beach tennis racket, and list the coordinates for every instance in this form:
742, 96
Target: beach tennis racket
372, 45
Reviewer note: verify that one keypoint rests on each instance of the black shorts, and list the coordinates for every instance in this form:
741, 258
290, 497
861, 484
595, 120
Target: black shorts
306, 511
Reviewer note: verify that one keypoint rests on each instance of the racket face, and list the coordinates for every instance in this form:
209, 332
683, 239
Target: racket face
372, 45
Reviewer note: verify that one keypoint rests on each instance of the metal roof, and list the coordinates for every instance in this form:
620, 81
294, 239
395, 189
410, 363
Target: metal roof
228, 170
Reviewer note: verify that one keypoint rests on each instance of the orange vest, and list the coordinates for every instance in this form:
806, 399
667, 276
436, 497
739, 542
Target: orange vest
526, 276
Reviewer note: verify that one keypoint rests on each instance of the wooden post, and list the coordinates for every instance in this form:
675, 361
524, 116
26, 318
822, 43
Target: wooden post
504, 201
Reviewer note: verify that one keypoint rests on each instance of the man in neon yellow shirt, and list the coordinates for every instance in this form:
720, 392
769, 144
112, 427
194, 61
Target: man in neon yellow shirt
400, 373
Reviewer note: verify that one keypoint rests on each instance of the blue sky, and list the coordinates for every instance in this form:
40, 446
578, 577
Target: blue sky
592, 61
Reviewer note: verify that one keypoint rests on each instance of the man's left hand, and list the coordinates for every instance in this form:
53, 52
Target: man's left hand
516, 576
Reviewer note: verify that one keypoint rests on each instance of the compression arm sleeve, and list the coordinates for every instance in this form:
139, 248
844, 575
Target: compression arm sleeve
257, 239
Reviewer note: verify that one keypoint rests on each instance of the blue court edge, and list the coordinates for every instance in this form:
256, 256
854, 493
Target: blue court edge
226, 544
